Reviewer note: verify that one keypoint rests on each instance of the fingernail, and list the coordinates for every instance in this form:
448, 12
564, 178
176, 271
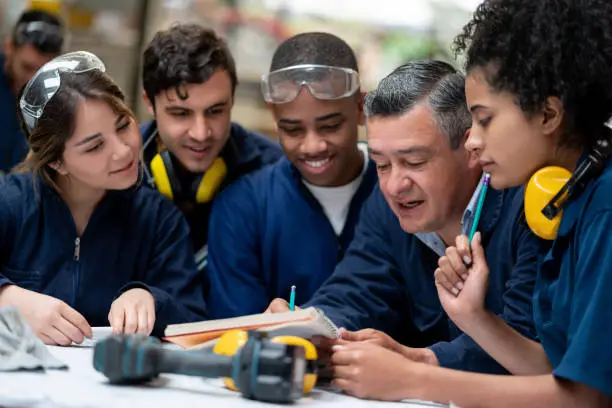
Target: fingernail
467, 259
459, 285
337, 347
455, 291
464, 276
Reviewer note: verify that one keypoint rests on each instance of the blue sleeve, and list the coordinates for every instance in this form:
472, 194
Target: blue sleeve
7, 233
465, 354
366, 290
588, 357
172, 276
236, 283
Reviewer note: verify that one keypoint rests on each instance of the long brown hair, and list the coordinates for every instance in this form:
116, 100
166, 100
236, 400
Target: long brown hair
57, 123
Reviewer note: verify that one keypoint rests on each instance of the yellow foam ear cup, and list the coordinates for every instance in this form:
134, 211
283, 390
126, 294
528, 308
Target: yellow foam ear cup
228, 345
211, 181
310, 379
160, 175
542, 187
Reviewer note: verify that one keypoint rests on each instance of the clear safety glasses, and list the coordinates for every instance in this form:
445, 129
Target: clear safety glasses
45, 83
324, 82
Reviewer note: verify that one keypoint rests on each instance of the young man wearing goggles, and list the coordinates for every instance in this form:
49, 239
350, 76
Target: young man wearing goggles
192, 149
35, 40
290, 223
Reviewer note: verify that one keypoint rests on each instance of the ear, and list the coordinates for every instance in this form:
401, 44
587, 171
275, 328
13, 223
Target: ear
57, 166
552, 115
8, 46
149, 104
361, 118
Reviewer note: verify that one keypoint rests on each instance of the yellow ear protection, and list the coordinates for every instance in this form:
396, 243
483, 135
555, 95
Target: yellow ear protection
230, 342
549, 189
204, 187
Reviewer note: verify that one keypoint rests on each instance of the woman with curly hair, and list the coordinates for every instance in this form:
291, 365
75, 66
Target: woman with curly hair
539, 86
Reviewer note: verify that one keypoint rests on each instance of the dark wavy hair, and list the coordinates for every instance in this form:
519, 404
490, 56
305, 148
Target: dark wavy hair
536, 49
184, 54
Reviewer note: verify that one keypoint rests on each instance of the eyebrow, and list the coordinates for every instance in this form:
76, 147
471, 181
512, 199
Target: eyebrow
410, 150
183, 108
318, 119
474, 108
98, 135
89, 139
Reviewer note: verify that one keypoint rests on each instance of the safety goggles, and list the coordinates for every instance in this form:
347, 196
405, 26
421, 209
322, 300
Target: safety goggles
44, 36
323, 82
47, 80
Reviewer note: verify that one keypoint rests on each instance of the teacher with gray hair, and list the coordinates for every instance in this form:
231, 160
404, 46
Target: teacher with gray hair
383, 291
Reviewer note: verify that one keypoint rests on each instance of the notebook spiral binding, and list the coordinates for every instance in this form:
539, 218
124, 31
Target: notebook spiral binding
330, 325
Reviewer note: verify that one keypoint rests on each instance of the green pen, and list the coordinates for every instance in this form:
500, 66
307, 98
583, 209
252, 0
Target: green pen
292, 299
481, 199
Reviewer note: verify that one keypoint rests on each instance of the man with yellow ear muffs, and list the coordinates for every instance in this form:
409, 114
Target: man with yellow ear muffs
192, 149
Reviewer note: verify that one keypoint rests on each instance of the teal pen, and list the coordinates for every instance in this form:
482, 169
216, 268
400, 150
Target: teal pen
481, 199
292, 298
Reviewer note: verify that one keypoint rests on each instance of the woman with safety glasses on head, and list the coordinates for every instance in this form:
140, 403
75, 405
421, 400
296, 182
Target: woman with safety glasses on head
539, 87
81, 243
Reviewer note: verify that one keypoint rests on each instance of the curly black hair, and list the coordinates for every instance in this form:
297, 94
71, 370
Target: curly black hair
184, 54
535, 49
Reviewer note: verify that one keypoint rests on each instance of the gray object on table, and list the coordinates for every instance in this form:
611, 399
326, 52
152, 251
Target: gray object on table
20, 348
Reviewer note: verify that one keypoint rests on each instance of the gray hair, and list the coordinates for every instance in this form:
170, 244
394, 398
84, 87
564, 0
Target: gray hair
435, 82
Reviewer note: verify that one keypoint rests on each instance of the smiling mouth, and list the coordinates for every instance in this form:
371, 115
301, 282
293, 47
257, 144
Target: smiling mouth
410, 204
198, 149
317, 163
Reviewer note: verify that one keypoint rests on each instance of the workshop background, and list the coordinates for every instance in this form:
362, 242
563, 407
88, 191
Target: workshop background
383, 33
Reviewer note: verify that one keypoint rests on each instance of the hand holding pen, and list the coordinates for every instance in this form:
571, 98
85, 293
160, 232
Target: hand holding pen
462, 277
454, 265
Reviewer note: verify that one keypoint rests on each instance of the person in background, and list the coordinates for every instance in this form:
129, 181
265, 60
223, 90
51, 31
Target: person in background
192, 149
546, 103
36, 38
384, 290
82, 243
291, 223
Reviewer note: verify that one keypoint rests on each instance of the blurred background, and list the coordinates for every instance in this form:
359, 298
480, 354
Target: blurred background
383, 33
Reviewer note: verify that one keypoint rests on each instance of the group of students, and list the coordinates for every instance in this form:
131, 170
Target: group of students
193, 217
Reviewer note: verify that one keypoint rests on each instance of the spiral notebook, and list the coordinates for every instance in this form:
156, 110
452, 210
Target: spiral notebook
304, 323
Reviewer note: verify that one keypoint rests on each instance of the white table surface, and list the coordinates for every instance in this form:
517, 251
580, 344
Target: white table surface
81, 386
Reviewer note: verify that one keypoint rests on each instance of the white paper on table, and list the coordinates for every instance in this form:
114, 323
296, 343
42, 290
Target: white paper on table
98, 333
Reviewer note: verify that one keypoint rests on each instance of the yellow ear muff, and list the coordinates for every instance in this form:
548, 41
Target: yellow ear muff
161, 177
310, 379
228, 345
542, 187
231, 341
211, 181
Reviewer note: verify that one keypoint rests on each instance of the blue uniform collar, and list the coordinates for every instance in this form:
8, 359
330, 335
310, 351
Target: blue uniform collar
370, 178
575, 205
